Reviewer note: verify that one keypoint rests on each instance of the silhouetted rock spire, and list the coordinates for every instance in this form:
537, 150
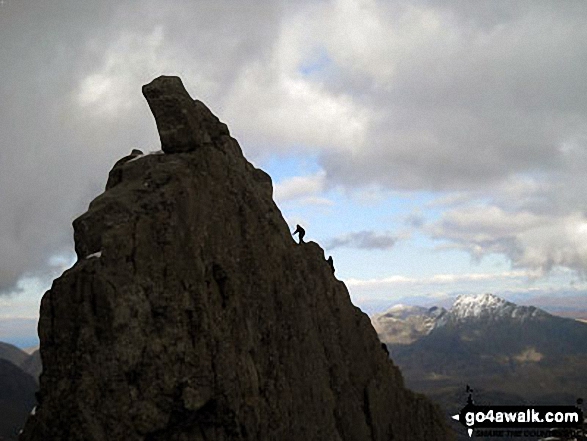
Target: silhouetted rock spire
183, 124
190, 314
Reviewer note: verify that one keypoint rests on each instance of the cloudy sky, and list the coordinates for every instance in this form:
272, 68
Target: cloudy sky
433, 148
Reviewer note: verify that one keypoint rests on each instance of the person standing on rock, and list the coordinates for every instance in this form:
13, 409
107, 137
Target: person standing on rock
301, 233
331, 263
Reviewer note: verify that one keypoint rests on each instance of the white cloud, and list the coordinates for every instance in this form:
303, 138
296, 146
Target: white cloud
131, 59
538, 242
367, 240
392, 282
458, 100
451, 199
299, 187
380, 283
480, 101
287, 111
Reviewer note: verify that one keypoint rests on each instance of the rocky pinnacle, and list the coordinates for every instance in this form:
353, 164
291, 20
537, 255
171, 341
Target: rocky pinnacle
192, 314
183, 124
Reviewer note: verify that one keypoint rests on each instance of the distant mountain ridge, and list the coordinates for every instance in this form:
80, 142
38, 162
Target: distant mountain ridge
18, 382
509, 354
477, 311
30, 363
492, 307
12, 353
404, 324
499, 333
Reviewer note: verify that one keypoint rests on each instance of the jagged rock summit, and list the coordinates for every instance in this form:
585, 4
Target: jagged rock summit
191, 313
183, 124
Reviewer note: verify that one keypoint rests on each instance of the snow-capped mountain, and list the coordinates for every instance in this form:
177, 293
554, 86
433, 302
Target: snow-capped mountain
515, 352
490, 306
404, 324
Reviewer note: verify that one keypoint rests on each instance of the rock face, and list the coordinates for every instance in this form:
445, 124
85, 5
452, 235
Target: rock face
183, 124
191, 313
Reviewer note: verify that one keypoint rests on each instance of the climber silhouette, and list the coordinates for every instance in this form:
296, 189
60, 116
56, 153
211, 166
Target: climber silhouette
331, 263
301, 233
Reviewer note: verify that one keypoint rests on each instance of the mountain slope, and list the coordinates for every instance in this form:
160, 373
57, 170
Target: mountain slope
33, 365
403, 324
12, 354
17, 398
